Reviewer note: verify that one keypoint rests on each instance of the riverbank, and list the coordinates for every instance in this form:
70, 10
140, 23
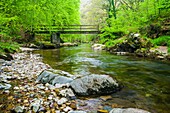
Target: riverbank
21, 93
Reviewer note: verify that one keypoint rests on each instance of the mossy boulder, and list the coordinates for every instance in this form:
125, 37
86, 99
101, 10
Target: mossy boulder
132, 43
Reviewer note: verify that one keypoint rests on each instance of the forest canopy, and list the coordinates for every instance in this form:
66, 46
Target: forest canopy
17, 16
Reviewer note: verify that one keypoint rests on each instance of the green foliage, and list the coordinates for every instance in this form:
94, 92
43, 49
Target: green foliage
163, 40
17, 16
8, 47
165, 4
132, 15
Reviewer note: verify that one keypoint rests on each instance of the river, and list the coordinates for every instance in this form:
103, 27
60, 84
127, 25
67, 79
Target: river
146, 82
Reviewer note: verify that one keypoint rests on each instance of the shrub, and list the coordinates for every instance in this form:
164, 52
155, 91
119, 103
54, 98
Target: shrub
162, 41
8, 47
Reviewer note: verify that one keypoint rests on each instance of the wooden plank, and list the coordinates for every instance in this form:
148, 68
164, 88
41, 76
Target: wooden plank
67, 29
69, 32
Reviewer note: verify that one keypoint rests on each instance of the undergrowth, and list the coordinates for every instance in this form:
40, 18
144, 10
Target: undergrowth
162, 41
8, 47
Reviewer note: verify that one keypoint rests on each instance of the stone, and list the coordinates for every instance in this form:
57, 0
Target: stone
67, 93
5, 86
68, 104
128, 110
102, 111
108, 108
131, 44
61, 80
47, 76
160, 57
98, 47
100, 107
36, 105
2, 61
7, 69
68, 44
94, 85
25, 101
67, 109
62, 101
115, 105
105, 98
63, 105
50, 97
40, 86
77, 112
73, 105
16, 88
19, 109
57, 111
6, 56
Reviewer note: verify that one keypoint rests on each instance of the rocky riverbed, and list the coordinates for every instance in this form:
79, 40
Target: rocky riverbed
22, 91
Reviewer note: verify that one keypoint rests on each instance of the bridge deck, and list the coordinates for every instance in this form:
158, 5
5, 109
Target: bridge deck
69, 29
67, 32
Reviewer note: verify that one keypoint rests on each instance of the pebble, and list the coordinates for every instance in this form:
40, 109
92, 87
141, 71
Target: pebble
62, 101
16, 88
105, 98
73, 106
67, 109
33, 96
102, 111
19, 109
77, 112
50, 97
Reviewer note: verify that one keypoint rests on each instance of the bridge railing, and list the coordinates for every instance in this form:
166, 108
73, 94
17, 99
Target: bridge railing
55, 28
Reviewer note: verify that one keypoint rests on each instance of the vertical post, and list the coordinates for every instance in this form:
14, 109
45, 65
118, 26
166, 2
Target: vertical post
55, 39
80, 27
58, 40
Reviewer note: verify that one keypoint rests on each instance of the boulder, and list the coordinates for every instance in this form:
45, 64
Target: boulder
53, 78
61, 80
132, 43
98, 46
86, 85
128, 110
94, 85
68, 44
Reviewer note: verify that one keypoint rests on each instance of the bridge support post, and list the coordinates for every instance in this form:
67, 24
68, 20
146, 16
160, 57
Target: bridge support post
55, 39
58, 40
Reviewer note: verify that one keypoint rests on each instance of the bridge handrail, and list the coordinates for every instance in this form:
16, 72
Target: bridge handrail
66, 27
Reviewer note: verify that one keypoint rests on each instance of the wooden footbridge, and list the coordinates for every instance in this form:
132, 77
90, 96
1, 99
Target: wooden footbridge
56, 30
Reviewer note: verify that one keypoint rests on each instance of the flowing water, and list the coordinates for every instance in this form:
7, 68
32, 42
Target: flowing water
147, 82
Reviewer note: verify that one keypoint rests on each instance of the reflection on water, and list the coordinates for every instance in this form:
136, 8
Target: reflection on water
147, 83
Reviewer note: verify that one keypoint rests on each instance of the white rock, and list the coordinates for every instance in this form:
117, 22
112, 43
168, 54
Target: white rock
67, 109
67, 92
50, 97
19, 109
62, 101
16, 88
